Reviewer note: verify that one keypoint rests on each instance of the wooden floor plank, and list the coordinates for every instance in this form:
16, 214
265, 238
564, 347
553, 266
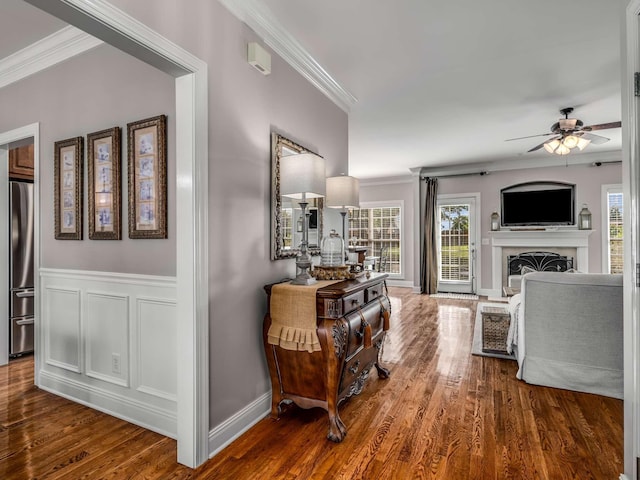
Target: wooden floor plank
443, 414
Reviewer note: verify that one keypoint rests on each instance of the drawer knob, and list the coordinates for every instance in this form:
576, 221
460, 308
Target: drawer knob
354, 301
354, 368
374, 293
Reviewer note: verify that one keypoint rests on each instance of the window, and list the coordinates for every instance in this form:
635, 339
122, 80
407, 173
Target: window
379, 228
287, 228
454, 243
613, 255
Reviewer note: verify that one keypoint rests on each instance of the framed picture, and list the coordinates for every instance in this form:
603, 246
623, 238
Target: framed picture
103, 160
68, 160
147, 162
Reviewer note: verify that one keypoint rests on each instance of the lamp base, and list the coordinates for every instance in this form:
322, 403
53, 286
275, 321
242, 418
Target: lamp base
303, 267
304, 279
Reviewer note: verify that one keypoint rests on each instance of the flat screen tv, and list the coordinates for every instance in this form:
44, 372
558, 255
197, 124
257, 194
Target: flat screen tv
538, 203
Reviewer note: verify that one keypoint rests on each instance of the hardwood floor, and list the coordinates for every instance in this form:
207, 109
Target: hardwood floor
443, 414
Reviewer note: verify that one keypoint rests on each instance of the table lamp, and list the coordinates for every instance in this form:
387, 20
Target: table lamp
302, 176
343, 192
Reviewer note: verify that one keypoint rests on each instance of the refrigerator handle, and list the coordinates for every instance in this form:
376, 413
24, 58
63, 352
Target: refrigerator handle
26, 321
28, 293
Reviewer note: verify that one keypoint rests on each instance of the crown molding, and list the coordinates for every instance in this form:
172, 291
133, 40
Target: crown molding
378, 181
485, 168
55, 48
260, 19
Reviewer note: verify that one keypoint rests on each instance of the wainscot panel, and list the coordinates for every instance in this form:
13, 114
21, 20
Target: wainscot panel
107, 337
157, 369
62, 328
124, 327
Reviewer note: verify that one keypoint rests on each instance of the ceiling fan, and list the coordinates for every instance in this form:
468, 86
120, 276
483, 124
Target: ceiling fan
568, 133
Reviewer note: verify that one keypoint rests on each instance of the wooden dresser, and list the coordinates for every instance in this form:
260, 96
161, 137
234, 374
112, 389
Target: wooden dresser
352, 319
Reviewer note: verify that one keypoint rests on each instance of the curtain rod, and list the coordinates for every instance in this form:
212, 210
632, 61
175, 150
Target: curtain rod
481, 173
599, 164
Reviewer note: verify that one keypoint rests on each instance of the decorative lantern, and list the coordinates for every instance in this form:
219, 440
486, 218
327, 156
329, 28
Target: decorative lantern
584, 218
495, 221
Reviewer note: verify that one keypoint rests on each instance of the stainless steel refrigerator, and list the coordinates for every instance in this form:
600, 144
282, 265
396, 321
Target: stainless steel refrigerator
21, 268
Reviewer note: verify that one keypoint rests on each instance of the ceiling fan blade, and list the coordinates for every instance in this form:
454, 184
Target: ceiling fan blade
538, 147
531, 136
602, 126
595, 139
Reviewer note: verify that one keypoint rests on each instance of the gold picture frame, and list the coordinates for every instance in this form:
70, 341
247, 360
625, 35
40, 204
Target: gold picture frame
68, 160
103, 160
147, 163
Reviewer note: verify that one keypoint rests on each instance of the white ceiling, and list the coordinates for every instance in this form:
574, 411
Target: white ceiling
441, 82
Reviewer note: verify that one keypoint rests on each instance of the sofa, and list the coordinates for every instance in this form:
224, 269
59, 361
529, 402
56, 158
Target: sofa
566, 331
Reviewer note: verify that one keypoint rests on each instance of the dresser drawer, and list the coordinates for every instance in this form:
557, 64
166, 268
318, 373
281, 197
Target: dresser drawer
353, 301
374, 292
354, 368
371, 314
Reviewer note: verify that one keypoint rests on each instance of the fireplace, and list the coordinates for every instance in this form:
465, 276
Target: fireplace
564, 242
539, 261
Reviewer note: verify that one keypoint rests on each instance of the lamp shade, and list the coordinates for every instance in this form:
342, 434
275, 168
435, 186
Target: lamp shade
302, 176
550, 146
343, 192
583, 142
570, 141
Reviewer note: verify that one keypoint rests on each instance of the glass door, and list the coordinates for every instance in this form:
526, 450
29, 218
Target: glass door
457, 244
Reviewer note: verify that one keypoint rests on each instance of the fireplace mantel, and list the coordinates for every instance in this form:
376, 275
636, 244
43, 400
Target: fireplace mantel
561, 237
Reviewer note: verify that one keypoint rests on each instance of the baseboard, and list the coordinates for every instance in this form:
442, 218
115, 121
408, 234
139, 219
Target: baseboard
237, 424
417, 290
489, 292
152, 418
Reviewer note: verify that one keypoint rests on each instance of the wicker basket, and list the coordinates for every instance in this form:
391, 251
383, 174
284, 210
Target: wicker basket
495, 327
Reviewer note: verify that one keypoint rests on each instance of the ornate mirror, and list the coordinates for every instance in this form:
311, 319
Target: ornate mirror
286, 219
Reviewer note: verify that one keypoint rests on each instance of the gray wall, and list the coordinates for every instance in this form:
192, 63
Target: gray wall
588, 180
100, 89
244, 107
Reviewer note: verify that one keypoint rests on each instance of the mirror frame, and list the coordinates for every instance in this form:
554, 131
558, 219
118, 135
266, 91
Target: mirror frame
277, 252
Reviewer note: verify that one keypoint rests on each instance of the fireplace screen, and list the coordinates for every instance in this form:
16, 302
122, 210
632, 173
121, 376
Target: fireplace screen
540, 261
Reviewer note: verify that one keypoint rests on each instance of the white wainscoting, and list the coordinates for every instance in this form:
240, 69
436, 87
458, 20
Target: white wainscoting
109, 342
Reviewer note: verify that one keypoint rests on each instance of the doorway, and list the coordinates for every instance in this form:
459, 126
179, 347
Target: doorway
122, 31
457, 229
7, 140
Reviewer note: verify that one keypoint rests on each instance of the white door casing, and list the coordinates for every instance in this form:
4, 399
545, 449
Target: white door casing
630, 154
473, 200
102, 20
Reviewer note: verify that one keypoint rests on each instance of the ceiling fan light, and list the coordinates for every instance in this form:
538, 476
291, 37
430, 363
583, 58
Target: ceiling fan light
552, 145
583, 142
570, 141
562, 150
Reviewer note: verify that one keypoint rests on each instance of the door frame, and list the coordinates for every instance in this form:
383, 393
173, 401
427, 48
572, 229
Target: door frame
6, 138
112, 25
630, 55
474, 235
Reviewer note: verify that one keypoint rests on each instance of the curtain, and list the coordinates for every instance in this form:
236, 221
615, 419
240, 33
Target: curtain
429, 250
